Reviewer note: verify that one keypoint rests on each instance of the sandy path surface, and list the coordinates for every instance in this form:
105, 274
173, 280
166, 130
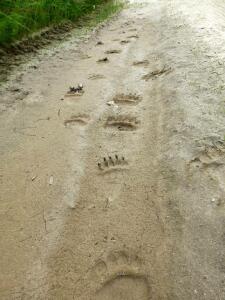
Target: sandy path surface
118, 192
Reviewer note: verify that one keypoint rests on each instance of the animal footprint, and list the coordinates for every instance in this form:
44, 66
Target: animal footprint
141, 63
76, 119
99, 43
134, 36
113, 51
113, 163
124, 42
156, 73
103, 60
211, 156
132, 99
132, 29
75, 91
121, 277
122, 122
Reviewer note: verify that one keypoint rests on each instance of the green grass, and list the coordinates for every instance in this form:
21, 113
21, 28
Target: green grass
109, 8
19, 18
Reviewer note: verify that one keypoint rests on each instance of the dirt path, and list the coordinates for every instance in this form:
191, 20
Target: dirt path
118, 192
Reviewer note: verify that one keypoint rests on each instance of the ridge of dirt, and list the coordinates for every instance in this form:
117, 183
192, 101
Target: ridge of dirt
15, 54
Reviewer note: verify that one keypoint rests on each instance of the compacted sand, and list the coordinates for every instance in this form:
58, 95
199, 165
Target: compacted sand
118, 192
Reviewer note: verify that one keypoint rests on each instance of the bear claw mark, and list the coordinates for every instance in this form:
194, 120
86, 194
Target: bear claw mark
80, 119
112, 163
122, 123
113, 51
131, 99
75, 91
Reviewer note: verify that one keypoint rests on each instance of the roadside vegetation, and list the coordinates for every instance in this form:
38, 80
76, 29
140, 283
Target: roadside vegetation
20, 18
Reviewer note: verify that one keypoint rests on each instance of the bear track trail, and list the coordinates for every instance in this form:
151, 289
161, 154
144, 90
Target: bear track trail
116, 190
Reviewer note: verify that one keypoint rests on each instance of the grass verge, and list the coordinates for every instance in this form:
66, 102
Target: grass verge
20, 18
